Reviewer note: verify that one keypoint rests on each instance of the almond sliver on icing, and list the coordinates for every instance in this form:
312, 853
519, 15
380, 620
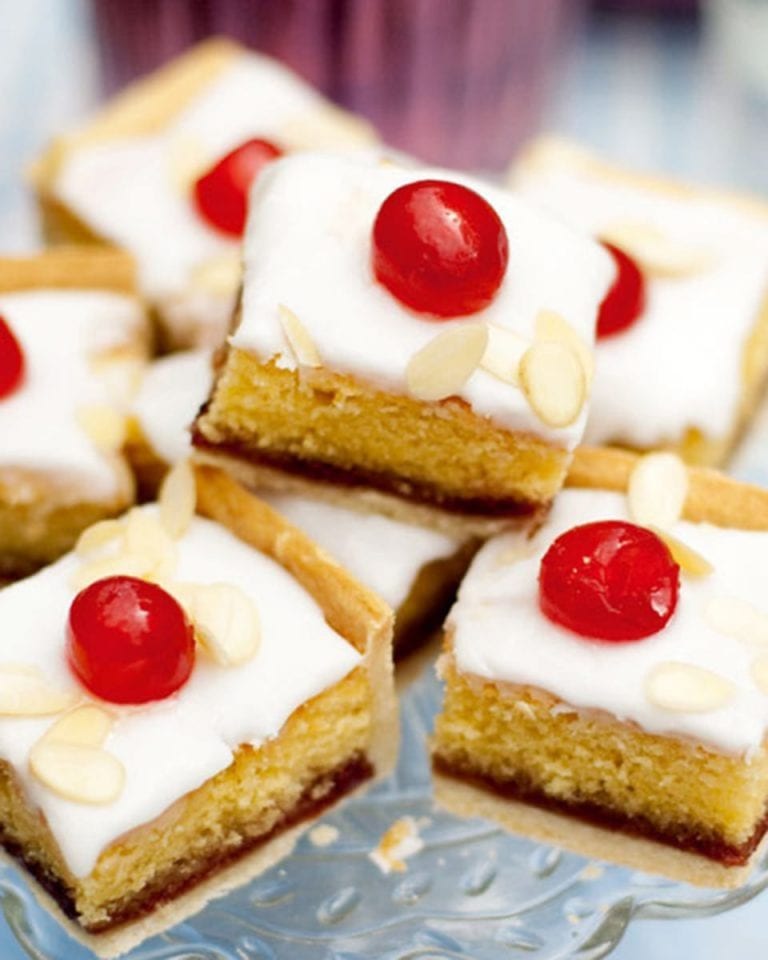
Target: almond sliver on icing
442, 367
685, 688
299, 340
503, 353
177, 499
658, 253
657, 489
554, 382
734, 617
24, 692
79, 773
551, 326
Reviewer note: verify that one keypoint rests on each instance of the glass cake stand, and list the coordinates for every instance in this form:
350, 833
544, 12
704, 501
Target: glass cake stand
472, 892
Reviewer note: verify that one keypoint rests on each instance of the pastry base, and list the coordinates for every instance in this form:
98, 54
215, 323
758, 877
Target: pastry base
466, 799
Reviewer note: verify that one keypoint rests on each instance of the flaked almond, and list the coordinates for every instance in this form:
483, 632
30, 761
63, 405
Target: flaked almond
178, 498
98, 535
225, 619
688, 559
187, 161
503, 353
121, 377
657, 489
24, 692
79, 773
551, 326
146, 537
554, 382
218, 275
299, 340
685, 688
737, 618
442, 367
324, 128
658, 253
105, 426
85, 726
760, 673
118, 564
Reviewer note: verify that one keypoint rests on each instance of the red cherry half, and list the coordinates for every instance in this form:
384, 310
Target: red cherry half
439, 248
625, 301
11, 361
129, 641
221, 194
609, 580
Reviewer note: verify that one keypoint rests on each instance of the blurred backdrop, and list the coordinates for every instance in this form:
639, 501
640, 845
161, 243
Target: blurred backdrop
678, 85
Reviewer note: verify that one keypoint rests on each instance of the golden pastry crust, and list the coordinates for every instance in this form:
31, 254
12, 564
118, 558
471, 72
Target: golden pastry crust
694, 446
41, 514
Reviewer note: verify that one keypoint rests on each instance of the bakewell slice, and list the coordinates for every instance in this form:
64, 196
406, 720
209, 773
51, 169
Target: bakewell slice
84, 338
126, 177
703, 254
415, 570
649, 753
346, 417
219, 779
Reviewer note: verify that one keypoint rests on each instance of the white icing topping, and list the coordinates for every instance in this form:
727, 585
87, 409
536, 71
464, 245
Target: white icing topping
126, 189
171, 747
501, 634
680, 365
61, 332
168, 399
308, 247
383, 553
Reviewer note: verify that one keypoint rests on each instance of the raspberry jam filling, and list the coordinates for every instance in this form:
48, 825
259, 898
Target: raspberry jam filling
221, 194
11, 361
609, 580
625, 301
439, 248
129, 641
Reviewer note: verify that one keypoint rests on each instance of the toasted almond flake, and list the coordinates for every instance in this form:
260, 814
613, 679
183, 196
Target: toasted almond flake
551, 326
324, 128
98, 535
76, 772
442, 367
399, 842
554, 382
187, 161
104, 425
121, 378
24, 692
503, 353
119, 564
759, 672
218, 275
86, 726
685, 688
685, 557
146, 537
299, 340
225, 620
659, 254
737, 618
657, 489
178, 499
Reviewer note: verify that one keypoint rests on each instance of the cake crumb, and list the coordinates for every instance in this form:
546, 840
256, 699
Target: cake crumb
399, 842
323, 835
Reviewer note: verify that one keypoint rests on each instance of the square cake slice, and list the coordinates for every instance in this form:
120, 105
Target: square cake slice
74, 337
412, 568
129, 176
682, 349
605, 679
460, 411
195, 689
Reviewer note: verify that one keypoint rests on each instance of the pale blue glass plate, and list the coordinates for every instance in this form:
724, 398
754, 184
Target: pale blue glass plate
473, 892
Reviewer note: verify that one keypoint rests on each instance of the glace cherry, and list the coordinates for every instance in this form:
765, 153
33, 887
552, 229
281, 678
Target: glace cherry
439, 248
625, 301
221, 194
129, 641
609, 580
11, 361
